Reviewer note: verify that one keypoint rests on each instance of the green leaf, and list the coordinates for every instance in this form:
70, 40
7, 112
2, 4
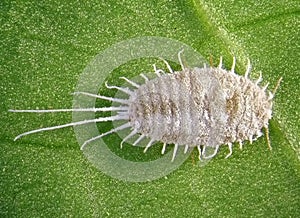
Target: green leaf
45, 45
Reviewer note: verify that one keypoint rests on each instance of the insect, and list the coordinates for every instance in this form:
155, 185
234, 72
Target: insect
195, 107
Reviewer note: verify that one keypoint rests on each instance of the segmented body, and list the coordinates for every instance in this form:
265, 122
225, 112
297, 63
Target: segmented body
182, 108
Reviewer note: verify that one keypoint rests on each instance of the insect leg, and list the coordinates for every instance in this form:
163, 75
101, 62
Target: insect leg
268, 138
200, 152
174, 152
277, 85
233, 65
168, 65
124, 126
130, 82
259, 78
241, 144
164, 148
220, 64
186, 148
158, 71
145, 78
209, 156
125, 90
138, 140
149, 145
230, 150
248, 69
128, 137
122, 101
180, 60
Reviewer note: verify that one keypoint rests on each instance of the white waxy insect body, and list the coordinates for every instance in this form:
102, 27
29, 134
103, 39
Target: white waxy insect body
193, 107
179, 108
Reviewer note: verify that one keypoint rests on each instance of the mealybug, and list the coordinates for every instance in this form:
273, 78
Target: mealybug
195, 107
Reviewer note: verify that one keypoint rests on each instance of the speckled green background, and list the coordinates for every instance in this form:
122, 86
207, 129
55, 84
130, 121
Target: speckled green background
45, 46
